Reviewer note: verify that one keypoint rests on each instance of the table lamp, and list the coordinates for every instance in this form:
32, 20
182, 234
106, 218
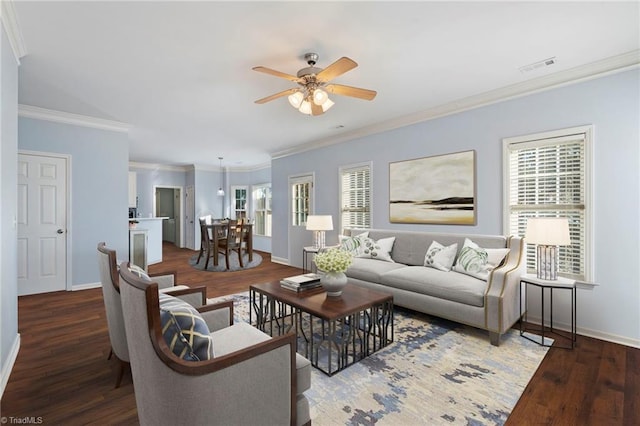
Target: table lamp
319, 224
547, 233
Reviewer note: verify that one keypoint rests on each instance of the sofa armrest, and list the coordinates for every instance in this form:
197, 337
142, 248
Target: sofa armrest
164, 279
502, 299
195, 296
217, 315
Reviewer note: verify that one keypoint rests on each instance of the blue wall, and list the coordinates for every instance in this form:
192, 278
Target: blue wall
610, 103
99, 188
9, 338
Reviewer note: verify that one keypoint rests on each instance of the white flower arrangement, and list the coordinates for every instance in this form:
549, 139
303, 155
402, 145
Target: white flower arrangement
333, 260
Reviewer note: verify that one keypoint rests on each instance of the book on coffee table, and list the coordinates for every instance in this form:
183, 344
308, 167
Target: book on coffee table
303, 279
298, 288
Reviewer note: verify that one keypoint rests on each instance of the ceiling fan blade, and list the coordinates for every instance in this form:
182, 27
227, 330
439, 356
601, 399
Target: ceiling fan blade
276, 73
275, 96
337, 68
354, 92
316, 109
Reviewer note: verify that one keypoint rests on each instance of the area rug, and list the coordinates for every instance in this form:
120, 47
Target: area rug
435, 372
234, 265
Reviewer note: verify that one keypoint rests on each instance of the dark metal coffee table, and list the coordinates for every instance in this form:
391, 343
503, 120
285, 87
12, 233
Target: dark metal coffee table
336, 332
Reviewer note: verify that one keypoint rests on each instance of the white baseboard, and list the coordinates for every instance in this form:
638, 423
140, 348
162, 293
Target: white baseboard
280, 260
8, 366
86, 286
596, 334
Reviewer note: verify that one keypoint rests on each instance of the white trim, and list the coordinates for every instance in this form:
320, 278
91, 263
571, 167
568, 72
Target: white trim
199, 167
280, 260
596, 334
579, 74
180, 219
38, 113
8, 365
163, 167
12, 28
355, 166
67, 158
87, 286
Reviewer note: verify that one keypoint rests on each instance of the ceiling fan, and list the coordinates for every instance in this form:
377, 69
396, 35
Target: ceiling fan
311, 97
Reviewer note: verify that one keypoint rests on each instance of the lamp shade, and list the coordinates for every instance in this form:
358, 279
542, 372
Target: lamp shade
319, 223
550, 231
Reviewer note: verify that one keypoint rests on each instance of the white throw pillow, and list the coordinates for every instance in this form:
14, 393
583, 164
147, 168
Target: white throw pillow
379, 250
476, 261
352, 244
440, 257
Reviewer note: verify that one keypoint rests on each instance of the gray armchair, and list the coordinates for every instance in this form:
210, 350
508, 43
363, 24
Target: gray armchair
249, 379
110, 281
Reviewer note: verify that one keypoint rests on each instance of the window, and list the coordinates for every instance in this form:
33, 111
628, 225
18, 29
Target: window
262, 212
548, 176
300, 202
239, 194
355, 196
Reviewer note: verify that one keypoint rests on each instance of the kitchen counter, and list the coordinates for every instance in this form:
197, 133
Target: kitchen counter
153, 225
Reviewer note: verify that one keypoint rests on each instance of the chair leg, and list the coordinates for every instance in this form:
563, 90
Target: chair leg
110, 353
226, 258
121, 367
200, 254
206, 263
240, 257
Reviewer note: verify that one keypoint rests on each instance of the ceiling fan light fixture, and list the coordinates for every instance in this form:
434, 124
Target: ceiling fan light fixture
295, 99
320, 96
327, 104
305, 107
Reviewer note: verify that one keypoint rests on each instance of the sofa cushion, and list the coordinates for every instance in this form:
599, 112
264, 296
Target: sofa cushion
184, 330
444, 285
370, 270
378, 250
352, 244
475, 261
440, 257
242, 335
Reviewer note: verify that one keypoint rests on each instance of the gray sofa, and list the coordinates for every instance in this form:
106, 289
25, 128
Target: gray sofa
492, 305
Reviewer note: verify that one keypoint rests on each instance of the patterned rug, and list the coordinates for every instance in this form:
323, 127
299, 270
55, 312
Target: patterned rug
234, 265
435, 372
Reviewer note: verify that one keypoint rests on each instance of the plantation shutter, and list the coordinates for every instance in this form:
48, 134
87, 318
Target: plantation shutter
547, 178
356, 197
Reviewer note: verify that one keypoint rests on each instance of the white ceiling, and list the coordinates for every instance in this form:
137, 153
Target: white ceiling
179, 73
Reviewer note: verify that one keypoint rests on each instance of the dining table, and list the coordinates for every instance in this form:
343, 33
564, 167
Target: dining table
217, 229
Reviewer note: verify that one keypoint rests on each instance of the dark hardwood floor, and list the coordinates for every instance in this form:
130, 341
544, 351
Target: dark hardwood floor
62, 374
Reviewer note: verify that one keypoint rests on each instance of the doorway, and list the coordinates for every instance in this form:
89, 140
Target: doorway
43, 190
167, 202
301, 195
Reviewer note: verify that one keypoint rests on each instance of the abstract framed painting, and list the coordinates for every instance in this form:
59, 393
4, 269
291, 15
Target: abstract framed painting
434, 190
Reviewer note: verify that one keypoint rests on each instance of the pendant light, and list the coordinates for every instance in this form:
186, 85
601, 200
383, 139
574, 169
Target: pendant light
220, 190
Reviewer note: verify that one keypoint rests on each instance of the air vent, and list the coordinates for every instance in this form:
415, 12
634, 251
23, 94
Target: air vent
539, 64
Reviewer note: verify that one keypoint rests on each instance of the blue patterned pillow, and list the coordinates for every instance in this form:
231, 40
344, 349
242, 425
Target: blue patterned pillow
184, 329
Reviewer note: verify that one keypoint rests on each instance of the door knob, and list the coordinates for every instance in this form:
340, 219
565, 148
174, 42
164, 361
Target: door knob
60, 231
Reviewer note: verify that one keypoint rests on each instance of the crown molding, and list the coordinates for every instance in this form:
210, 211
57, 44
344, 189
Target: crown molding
29, 111
163, 167
10, 23
579, 74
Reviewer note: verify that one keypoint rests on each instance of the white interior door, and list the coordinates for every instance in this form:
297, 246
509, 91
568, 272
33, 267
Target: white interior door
300, 206
42, 222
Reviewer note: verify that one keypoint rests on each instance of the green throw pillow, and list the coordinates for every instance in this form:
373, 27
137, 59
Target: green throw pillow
184, 329
477, 261
352, 244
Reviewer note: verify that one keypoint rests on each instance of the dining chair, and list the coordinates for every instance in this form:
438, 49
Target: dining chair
218, 238
233, 242
205, 236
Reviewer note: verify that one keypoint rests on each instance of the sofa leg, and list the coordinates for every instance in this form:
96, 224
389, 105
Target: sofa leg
494, 338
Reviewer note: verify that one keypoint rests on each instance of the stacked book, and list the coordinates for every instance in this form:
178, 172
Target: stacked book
301, 282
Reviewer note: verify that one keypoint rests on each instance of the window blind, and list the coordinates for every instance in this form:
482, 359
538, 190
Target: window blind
547, 178
356, 197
